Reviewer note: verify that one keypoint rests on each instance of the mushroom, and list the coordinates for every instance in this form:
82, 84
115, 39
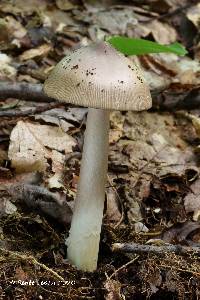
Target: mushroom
99, 77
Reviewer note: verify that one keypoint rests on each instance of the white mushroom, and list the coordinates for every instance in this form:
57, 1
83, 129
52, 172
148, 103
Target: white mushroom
101, 78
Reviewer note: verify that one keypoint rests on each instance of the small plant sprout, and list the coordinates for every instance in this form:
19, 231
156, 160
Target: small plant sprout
103, 79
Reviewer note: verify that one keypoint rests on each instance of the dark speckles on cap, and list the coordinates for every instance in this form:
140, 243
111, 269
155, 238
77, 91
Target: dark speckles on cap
75, 67
98, 76
140, 79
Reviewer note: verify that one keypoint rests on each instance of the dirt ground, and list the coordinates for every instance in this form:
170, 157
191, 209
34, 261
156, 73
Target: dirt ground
153, 184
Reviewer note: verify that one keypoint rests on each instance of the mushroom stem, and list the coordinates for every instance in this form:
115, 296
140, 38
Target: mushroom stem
83, 241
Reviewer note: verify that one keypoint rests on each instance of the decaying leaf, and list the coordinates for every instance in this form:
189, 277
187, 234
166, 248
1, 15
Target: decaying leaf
65, 4
6, 207
153, 148
113, 214
180, 232
116, 130
113, 20
113, 289
193, 15
41, 200
35, 147
162, 32
35, 52
15, 28
6, 70
20, 274
153, 277
192, 200
63, 118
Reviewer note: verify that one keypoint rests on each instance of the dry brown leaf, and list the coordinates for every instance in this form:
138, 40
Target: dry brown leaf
65, 5
115, 21
193, 15
116, 130
33, 145
180, 232
6, 207
192, 200
20, 274
113, 214
54, 120
152, 147
6, 70
113, 289
41, 200
162, 69
3, 156
15, 28
40, 51
162, 32
63, 118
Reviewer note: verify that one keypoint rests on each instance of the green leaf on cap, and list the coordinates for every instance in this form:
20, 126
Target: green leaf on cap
129, 46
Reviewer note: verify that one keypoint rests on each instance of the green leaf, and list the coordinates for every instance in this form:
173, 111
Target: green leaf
129, 46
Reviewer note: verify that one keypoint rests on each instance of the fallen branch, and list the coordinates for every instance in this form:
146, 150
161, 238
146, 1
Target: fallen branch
23, 91
163, 249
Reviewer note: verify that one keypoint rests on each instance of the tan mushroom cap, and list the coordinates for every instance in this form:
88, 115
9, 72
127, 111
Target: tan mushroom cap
99, 76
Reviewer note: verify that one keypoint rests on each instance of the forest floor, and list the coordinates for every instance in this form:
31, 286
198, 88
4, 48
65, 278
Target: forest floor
153, 186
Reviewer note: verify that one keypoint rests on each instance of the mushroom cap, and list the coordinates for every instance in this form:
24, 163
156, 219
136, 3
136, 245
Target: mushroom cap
99, 76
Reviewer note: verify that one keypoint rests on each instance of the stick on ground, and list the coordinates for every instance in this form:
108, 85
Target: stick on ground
23, 91
163, 249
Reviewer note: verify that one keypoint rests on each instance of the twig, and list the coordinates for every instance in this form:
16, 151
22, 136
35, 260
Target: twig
23, 91
32, 259
138, 248
29, 111
123, 266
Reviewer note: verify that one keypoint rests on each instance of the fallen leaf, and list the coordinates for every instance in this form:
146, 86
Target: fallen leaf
6, 70
6, 207
20, 274
113, 289
116, 130
40, 51
63, 118
180, 232
113, 20
35, 147
40, 199
192, 200
193, 14
162, 32
15, 28
65, 5
113, 214
140, 227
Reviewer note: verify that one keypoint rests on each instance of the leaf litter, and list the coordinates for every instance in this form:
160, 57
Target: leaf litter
153, 177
